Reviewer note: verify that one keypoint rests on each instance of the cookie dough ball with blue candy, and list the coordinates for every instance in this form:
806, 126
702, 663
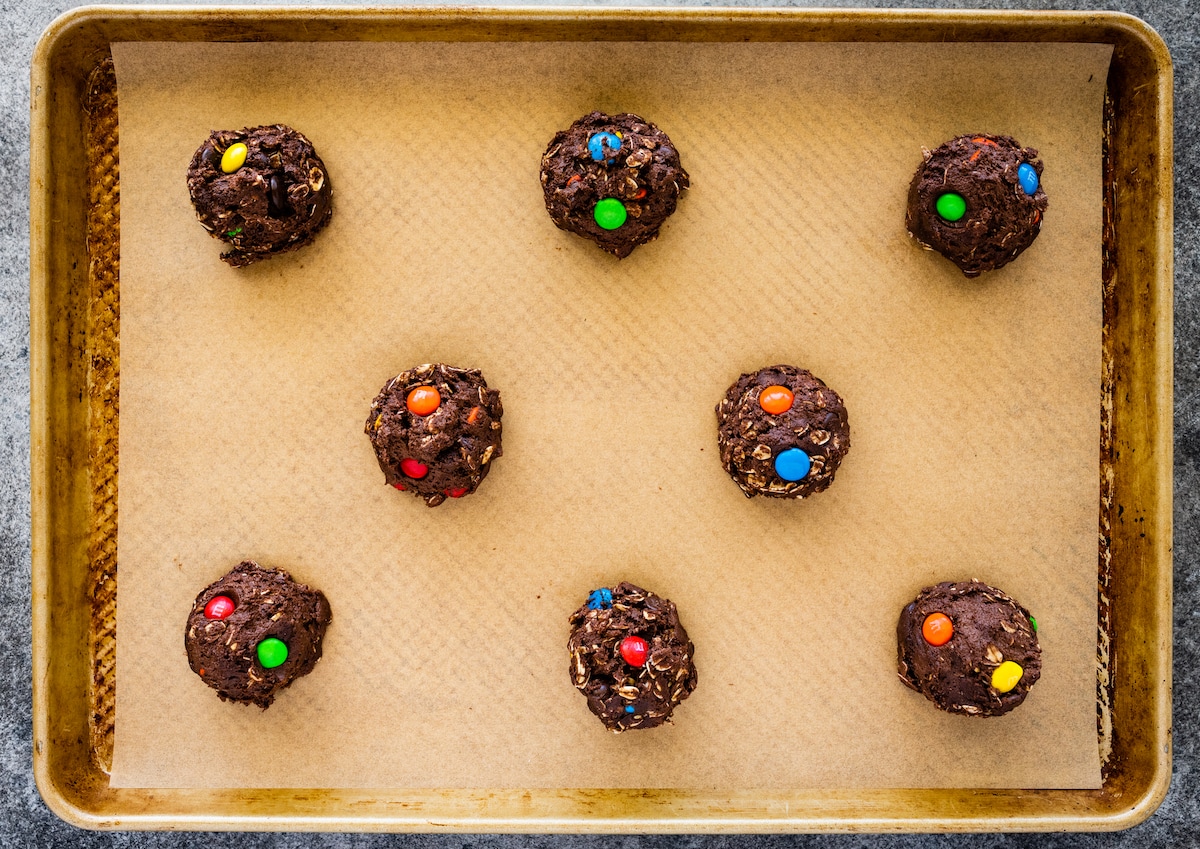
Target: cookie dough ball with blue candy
978, 201
631, 657
613, 179
782, 433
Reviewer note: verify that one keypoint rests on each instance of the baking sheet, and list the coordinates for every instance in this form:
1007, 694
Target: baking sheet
974, 409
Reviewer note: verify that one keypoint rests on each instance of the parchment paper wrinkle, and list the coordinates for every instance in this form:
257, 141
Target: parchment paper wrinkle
974, 409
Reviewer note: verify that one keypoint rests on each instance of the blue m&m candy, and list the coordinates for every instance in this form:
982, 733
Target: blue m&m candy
792, 464
629, 708
600, 599
604, 147
1027, 176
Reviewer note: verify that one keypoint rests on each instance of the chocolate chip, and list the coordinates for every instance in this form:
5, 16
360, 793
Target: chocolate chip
212, 156
277, 199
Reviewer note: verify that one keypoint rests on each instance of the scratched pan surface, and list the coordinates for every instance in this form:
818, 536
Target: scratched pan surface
75, 313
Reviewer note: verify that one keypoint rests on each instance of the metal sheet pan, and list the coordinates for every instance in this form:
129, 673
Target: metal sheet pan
74, 345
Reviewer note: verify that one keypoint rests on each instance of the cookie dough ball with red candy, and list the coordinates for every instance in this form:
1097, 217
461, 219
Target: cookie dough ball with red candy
969, 648
436, 430
782, 433
613, 179
631, 657
978, 201
254, 631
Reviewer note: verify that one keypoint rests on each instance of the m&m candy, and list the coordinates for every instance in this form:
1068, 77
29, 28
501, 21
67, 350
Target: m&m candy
610, 213
1006, 676
792, 464
951, 206
423, 400
776, 400
1027, 176
218, 607
413, 468
634, 651
604, 146
233, 158
271, 652
937, 629
600, 599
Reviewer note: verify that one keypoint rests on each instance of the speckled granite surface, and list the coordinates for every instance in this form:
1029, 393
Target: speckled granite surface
25, 821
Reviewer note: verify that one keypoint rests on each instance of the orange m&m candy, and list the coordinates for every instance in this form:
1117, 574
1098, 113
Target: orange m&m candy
423, 400
776, 399
937, 629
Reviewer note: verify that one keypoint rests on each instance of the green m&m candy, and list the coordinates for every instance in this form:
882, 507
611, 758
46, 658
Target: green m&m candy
951, 206
272, 652
610, 213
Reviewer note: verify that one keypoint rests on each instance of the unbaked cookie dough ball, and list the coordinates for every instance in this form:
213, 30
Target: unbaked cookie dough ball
968, 648
978, 201
262, 190
630, 657
436, 430
613, 179
782, 433
255, 631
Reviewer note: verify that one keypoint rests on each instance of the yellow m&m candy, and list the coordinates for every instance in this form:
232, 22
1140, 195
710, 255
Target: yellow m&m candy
233, 158
1006, 676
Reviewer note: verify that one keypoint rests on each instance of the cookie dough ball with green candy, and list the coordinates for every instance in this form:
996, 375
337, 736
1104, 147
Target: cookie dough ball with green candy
261, 190
613, 179
969, 648
977, 200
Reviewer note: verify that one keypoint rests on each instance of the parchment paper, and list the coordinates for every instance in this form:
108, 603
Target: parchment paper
974, 409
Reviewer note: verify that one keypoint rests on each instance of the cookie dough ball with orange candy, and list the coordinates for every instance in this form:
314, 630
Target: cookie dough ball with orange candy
436, 431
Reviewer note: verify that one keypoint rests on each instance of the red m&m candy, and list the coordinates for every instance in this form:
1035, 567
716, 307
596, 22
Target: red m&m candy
634, 651
218, 607
413, 468
457, 492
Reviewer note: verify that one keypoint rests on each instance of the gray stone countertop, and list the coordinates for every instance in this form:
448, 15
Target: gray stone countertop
25, 820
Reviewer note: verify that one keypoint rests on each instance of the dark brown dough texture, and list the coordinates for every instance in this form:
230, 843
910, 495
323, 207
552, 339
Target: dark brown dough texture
277, 201
1001, 220
645, 175
267, 603
749, 438
600, 672
989, 628
456, 443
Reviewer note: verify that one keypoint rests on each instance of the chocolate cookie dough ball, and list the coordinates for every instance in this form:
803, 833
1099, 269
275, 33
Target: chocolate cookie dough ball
978, 201
263, 190
968, 648
613, 179
254, 632
631, 657
782, 432
436, 431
